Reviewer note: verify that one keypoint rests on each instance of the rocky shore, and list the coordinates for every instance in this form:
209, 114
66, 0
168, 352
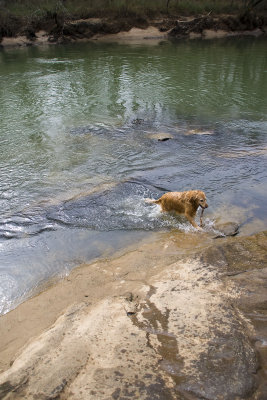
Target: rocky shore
205, 27
179, 317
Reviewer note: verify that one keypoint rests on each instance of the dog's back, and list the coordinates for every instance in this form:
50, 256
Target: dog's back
173, 201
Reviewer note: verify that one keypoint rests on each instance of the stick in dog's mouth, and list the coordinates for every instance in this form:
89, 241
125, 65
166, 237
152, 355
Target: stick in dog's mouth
201, 215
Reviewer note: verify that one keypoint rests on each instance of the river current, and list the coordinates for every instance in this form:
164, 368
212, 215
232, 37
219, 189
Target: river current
80, 150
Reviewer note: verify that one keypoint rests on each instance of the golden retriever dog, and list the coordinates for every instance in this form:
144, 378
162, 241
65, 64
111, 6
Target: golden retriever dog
185, 203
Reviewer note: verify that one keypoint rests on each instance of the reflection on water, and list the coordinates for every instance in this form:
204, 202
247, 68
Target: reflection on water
79, 117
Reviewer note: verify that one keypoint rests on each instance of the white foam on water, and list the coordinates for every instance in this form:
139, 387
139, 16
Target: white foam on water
8, 289
150, 216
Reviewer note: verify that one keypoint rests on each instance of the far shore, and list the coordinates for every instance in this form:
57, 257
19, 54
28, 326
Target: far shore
154, 32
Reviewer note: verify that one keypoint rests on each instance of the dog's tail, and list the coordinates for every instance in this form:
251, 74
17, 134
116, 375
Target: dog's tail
152, 201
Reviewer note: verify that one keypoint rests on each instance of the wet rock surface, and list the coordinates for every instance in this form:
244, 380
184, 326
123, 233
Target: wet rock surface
237, 256
203, 343
77, 359
226, 229
187, 329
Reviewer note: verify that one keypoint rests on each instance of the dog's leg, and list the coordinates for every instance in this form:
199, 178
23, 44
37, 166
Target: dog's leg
192, 222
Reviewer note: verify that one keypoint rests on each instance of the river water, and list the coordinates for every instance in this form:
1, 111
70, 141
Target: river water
79, 147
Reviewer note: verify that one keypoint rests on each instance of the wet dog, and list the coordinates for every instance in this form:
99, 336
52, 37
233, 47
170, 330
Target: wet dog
185, 203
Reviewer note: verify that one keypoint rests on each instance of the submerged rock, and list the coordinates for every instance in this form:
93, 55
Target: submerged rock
226, 229
138, 121
160, 136
199, 132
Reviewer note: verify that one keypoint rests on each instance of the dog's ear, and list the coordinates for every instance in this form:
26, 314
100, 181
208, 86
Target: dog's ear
194, 197
200, 195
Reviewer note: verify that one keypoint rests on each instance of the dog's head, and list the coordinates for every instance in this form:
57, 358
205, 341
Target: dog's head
200, 199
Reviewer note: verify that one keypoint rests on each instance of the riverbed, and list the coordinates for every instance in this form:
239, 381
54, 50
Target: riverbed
80, 150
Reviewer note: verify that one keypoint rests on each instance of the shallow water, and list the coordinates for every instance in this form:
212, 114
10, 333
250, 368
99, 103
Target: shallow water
80, 152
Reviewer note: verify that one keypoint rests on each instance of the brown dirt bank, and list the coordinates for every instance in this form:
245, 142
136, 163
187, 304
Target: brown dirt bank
182, 317
57, 31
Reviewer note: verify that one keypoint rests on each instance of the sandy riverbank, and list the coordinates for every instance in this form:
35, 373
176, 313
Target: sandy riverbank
150, 35
135, 34
95, 29
181, 316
